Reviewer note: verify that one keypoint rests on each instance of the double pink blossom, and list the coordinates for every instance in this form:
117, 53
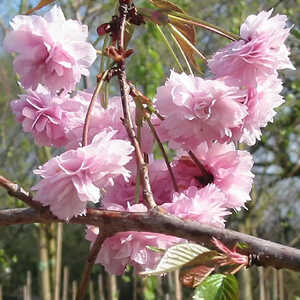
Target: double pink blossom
198, 110
72, 179
51, 50
202, 205
259, 53
43, 115
261, 102
101, 119
228, 168
131, 248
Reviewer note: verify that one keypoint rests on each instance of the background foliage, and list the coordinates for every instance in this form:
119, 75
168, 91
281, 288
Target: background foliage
273, 214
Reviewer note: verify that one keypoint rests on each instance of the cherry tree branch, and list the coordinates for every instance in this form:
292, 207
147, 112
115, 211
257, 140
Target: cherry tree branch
124, 89
262, 252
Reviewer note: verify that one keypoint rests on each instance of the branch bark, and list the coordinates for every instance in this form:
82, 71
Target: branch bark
263, 252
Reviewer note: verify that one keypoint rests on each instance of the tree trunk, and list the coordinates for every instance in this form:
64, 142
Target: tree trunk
100, 288
28, 285
74, 290
281, 285
58, 260
91, 290
51, 240
246, 291
178, 290
275, 284
66, 283
112, 289
44, 263
171, 285
261, 283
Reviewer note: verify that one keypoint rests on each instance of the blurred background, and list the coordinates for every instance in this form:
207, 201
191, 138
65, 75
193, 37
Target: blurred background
31, 254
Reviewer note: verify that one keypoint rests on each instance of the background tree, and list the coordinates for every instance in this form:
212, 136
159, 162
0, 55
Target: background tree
277, 187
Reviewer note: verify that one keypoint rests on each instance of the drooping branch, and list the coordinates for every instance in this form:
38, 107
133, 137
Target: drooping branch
262, 252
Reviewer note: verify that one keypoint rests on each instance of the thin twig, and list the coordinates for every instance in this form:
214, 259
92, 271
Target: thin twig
90, 109
206, 176
164, 154
124, 90
89, 265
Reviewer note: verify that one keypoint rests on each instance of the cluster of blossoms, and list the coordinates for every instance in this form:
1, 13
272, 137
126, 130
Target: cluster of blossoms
203, 119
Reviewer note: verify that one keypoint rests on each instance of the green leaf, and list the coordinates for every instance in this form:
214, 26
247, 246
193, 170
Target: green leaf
169, 48
218, 287
296, 33
186, 44
176, 257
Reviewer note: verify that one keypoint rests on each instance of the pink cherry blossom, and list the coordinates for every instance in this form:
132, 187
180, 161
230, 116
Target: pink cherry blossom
198, 110
229, 170
131, 248
43, 115
51, 50
102, 119
259, 53
204, 206
261, 102
75, 177
124, 193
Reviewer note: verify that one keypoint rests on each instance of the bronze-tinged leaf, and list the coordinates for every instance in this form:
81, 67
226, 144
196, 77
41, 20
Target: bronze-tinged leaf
167, 5
197, 22
129, 30
210, 259
188, 32
195, 275
185, 42
39, 6
157, 16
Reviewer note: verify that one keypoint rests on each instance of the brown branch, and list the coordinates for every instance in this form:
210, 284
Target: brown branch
89, 264
13, 189
124, 90
262, 252
161, 147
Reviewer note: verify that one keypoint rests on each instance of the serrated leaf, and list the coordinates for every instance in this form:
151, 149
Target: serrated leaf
176, 257
39, 6
209, 258
218, 287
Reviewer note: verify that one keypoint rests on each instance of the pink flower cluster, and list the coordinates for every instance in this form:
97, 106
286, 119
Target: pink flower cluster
51, 50
203, 118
